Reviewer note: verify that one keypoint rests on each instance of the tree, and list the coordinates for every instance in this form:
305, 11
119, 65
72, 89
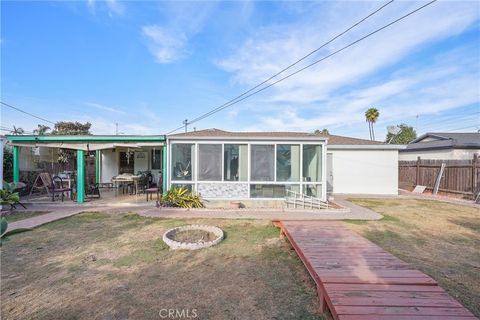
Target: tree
7, 163
323, 131
17, 131
41, 130
371, 115
406, 135
71, 128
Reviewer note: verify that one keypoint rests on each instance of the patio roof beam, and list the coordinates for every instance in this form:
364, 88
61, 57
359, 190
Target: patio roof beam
90, 138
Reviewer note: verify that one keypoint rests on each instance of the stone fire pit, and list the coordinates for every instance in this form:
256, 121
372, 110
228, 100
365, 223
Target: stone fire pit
193, 237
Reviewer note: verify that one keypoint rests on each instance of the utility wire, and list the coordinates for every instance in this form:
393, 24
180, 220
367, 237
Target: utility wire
289, 66
20, 110
228, 104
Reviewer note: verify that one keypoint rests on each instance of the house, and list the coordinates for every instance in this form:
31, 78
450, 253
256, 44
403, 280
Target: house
225, 166
442, 146
263, 165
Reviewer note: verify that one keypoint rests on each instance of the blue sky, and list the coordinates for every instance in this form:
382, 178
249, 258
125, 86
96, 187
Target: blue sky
149, 65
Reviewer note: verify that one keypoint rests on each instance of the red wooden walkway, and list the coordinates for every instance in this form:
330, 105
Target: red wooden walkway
357, 280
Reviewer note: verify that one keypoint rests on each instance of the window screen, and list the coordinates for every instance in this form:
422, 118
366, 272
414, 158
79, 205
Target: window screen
210, 162
263, 162
182, 156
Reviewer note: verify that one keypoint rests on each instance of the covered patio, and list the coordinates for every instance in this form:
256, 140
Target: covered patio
116, 158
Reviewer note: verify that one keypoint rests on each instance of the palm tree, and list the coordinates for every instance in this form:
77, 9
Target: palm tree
17, 131
371, 115
41, 130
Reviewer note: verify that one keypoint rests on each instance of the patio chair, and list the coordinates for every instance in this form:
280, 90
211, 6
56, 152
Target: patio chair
48, 183
93, 191
158, 189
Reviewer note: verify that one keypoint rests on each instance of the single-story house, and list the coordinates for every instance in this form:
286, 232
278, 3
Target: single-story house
225, 165
442, 146
265, 164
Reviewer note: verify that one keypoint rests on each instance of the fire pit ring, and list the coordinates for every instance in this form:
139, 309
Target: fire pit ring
169, 237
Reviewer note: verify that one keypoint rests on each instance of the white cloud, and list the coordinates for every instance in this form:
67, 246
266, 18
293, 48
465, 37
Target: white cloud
168, 42
113, 7
336, 92
104, 107
165, 45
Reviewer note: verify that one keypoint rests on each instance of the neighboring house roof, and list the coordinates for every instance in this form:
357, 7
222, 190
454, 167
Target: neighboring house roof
333, 140
439, 140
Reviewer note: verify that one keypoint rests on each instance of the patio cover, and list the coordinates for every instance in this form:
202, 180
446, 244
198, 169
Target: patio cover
86, 146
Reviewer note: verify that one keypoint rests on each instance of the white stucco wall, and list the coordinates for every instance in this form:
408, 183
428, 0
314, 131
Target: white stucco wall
364, 171
447, 154
109, 165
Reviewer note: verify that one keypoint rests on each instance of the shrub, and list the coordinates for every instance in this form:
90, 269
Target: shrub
181, 198
7, 195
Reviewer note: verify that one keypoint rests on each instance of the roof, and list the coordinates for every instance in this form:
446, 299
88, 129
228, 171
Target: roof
447, 140
332, 139
85, 138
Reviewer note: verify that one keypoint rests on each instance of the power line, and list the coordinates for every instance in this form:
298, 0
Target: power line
243, 96
289, 66
20, 110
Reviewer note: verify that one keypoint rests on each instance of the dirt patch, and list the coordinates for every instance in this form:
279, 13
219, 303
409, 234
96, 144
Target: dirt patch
193, 236
99, 266
438, 238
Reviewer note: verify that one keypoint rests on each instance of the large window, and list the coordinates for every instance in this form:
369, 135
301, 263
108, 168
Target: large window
126, 163
271, 190
235, 162
262, 162
210, 162
182, 161
288, 162
312, 163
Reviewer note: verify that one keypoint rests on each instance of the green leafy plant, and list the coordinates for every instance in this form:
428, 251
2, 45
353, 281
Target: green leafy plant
3, 226
181, 198
7, 194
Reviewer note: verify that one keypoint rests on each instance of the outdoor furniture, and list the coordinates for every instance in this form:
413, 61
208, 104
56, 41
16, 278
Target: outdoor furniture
48, 184
125, 181
93, 191
158, 189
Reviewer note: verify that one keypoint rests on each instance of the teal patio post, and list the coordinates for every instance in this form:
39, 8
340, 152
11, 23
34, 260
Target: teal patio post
164, 173
97, 166
80, 176
16, 166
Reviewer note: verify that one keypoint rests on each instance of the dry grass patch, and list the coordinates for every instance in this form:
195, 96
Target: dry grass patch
439, 238
99, 266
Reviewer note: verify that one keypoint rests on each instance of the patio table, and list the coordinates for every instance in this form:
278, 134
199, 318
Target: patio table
132, 179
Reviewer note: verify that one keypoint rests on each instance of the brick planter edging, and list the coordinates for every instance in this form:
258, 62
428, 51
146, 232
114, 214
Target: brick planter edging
174, 245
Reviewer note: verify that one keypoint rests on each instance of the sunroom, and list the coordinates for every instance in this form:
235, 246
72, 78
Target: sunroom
255, 166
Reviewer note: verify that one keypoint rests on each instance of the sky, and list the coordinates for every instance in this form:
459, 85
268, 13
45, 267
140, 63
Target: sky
149, 65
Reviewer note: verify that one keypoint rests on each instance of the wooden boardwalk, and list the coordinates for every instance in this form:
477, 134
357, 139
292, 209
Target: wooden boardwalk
357, 280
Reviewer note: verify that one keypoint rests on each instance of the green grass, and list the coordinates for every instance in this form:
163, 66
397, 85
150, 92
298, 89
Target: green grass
17, 216
96, 265
438, 238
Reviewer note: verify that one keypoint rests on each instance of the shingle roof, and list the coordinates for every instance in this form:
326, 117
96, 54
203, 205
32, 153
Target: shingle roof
466, 140
332, 139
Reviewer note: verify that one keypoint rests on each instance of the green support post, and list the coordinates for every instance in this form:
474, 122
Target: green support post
164, 171
80, 176
16, 166
97, 166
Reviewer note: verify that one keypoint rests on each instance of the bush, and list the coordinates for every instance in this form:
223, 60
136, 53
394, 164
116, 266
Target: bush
7, 164
181, 198
7, 194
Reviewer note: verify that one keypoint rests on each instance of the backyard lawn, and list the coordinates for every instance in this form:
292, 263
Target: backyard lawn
440, 239
101, 266
19, 215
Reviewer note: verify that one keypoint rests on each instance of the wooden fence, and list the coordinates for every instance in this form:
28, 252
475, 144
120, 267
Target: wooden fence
460, 177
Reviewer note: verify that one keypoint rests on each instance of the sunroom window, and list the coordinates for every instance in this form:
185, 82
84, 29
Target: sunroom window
288, 162
262, 162
210, 162
182, 161
235, 162
312, 163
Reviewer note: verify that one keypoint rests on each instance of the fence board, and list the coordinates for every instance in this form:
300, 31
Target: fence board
459, 177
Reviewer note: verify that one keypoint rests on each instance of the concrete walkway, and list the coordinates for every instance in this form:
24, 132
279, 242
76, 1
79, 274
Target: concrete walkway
57, 212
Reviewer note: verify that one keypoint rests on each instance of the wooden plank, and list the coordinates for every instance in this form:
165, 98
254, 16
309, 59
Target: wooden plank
358, 280
405, 311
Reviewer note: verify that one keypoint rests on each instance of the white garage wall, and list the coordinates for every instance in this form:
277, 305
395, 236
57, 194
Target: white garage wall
109, 165
365, 171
